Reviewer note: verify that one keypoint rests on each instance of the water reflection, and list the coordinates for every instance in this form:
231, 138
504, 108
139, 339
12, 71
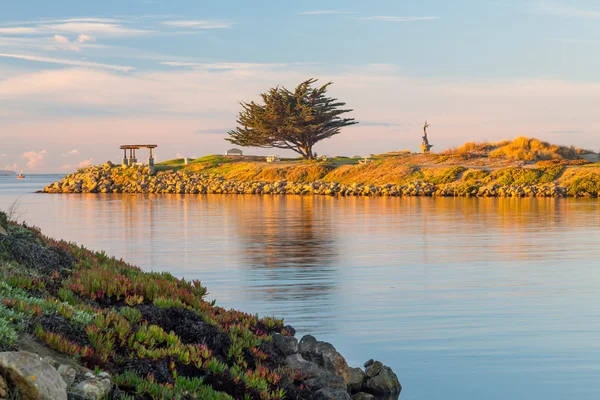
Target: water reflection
290, 251
456, 295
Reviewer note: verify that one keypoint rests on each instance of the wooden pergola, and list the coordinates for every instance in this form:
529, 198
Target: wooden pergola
133, 147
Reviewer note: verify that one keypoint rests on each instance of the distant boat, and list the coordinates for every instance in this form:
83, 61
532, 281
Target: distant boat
21, 176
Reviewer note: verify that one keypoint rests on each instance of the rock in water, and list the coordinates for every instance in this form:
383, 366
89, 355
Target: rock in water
363, 396
384, 383
34, 378
330, 394
324, 355
373, 369
357, 378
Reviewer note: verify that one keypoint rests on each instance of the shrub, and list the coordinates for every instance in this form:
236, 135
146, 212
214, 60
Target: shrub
475, 175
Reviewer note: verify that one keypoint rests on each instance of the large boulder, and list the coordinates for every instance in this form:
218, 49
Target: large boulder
330, 394
326, 381
305, 368
34, 378
284, 345
324, 355
363, 396
373, 369
356, 380
383, 384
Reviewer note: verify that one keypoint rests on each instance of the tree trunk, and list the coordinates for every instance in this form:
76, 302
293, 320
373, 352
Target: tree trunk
309, 153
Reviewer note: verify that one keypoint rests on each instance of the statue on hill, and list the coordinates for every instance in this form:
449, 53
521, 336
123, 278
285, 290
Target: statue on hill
425, 146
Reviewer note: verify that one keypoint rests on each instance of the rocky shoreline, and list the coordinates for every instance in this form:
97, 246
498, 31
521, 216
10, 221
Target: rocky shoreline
110, 179
79, 325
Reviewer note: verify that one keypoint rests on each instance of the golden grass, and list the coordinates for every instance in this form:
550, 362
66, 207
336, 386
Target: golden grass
521, 148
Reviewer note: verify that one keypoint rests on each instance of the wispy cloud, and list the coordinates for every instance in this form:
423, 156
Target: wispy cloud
63, 61
61, 20
216, 131
222, 66
19, 30
326, 12
387, 18
95, 28
199, 24
564, 10
380, 123
70, 153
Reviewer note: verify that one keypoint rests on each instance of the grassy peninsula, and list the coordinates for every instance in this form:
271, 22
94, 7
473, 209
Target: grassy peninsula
521, 167
137, 335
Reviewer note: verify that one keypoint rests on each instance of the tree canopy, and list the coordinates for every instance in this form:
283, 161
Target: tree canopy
290, 120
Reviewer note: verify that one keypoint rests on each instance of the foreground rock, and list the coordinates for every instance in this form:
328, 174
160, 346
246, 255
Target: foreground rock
33, 377
324, 370
110, 179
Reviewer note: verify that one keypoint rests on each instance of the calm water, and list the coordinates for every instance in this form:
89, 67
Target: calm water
464, 298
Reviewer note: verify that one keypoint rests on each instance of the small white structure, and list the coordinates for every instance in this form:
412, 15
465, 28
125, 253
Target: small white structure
234, 152
322, 158
273, 159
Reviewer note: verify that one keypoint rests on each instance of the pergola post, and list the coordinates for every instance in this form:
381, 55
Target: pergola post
132, 159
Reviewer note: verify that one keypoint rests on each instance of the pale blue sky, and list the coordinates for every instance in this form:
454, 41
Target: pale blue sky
88, 76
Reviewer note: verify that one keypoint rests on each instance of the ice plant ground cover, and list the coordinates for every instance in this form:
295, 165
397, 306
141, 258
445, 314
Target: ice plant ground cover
154, 333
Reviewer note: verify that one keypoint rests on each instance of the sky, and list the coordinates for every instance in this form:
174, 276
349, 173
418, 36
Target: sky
80, 78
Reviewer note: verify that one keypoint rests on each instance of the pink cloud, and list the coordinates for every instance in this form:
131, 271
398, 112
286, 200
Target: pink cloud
85, 38
34, 160
61, 39
85, 163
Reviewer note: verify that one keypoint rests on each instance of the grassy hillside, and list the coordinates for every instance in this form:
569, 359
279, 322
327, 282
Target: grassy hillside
520, 161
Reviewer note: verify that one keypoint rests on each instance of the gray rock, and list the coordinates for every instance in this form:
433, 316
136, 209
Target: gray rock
299, 364
363, 396
324, 355
3, 231
307, 345
34, 378
93, 389
369, 363
3, 388
285, 345
373, 369
68, 374
385, 383
357, 378
330, 394
326, 381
